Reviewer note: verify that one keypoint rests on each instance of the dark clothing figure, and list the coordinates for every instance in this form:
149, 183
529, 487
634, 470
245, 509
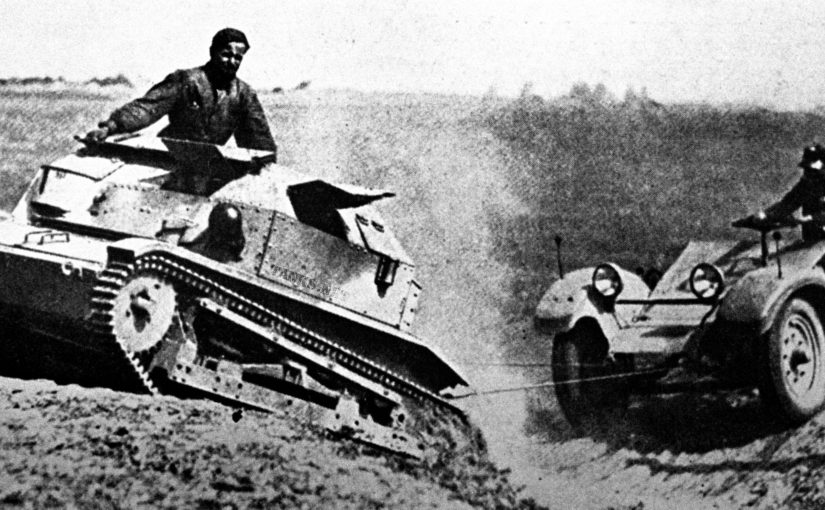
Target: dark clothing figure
206, 104
808, 194
201, 107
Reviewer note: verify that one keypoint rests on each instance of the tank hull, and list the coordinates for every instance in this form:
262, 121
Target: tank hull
110, 277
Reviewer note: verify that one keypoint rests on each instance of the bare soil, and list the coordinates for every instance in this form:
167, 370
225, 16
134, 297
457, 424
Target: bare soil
74, 447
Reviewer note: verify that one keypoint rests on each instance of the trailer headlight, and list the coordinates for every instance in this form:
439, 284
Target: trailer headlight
707, 281
606, 281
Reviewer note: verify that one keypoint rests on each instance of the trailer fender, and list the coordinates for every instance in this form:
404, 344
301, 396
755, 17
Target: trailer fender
572, 298
564, 296
758, 296
593, 309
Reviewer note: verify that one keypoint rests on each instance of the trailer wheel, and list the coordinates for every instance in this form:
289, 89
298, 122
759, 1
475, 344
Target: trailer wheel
792, 372
590, 395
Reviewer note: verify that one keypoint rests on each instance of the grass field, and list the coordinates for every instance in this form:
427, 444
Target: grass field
633, 183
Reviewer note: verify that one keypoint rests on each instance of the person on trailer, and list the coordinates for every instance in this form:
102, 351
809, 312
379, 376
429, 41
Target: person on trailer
807, 194
205, 104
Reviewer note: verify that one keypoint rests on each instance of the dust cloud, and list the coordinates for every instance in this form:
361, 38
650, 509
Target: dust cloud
450, 174
482, 188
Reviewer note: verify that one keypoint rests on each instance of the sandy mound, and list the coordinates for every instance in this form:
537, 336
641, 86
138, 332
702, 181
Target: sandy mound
68, 446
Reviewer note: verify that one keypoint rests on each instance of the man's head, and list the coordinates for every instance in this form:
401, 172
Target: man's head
813, 158
227, 51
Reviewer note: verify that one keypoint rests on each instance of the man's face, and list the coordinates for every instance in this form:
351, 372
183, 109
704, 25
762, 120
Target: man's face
227, 59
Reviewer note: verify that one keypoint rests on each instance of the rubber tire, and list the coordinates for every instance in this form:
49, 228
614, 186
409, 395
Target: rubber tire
796, 317
591, 406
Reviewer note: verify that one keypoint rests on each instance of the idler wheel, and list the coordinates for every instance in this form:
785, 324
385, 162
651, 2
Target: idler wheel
142, 312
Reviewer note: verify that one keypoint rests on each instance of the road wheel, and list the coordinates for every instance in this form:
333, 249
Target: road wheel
793, 367
589, 393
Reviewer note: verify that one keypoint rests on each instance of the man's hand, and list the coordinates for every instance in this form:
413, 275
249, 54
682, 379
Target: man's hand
97, 135
103, 130
258, 162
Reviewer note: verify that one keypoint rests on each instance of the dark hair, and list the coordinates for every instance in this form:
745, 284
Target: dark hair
228, 35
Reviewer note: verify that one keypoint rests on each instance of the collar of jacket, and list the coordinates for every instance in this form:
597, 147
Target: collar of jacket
217, 79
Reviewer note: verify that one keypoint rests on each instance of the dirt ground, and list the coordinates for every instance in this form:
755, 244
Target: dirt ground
65, 446
715, 451
74, 447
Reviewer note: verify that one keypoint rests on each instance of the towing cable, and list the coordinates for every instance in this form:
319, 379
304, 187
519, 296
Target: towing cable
549, 384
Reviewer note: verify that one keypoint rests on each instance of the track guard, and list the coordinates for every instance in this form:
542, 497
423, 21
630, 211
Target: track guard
178, 363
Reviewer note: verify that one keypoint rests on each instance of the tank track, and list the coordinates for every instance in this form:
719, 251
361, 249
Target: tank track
115, 276
101, 323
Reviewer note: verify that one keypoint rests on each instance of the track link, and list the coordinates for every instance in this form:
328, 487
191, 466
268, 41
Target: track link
178, 273
117, 274
440, 425
102, 326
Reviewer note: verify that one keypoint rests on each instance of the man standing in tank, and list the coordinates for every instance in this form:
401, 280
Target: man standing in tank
205, 104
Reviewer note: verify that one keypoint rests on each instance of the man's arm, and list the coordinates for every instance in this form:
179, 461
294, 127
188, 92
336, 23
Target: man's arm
144, 111
253, 130
792, 200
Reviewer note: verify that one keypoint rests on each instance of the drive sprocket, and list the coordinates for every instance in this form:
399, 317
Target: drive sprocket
142, 313
132, 312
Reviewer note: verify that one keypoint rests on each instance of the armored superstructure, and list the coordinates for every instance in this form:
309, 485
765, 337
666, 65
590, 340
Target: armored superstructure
178, 267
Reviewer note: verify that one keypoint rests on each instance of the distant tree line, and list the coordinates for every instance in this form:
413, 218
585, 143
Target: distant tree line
111, 81
108, 81
301, 86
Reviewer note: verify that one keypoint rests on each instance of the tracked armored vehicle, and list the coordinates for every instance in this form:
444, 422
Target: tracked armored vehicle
168, 266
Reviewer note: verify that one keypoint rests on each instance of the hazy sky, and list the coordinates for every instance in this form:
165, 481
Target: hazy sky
767, 52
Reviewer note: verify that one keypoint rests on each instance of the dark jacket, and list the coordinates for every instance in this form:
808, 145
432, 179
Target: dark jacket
200, 109
808, 194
